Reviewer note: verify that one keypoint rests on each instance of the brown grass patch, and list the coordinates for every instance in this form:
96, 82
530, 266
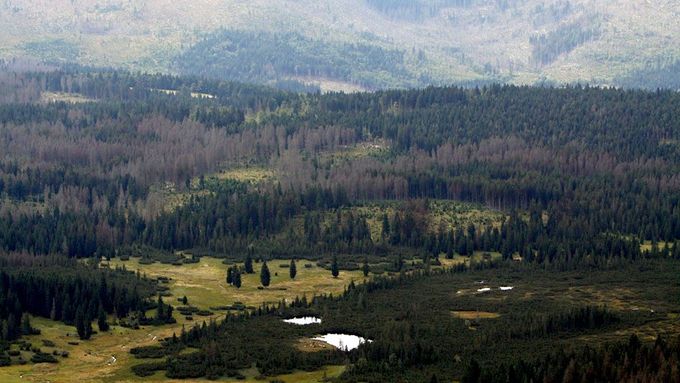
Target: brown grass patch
312, 345
475, 315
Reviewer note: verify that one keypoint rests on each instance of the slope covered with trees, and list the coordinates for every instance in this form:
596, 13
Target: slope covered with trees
565, 182
583, 162
263, 57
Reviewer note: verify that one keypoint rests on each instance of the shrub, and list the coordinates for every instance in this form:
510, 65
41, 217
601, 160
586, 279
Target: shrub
148, 352
48, 343
41, 357
148, 369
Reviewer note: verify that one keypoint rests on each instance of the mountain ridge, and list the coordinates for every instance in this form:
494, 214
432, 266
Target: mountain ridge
442, 42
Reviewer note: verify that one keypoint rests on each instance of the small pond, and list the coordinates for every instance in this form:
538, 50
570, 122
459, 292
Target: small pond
303, 321
343, 341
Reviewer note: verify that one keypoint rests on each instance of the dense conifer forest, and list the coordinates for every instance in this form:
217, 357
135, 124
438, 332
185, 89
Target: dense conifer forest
573, 183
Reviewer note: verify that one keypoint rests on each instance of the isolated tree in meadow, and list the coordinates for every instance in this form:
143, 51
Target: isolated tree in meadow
293, 269
237, 279
101, 320
366, 268
230, 275
335, 270
185, 300
265, 277
249, 264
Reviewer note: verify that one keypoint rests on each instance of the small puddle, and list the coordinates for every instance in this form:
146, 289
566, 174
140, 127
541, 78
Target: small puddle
343, 342
303, 321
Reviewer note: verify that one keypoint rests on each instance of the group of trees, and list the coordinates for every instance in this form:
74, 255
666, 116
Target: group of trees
64, 290
626, 361
344, 231
234, 277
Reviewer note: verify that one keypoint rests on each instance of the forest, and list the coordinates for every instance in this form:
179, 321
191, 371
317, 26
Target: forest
414, 191
290, 58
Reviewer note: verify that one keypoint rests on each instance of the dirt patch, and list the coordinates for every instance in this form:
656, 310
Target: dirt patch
475, 315
313, 345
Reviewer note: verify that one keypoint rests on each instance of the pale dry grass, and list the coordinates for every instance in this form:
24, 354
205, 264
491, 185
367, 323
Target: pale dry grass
475, 315
71, 98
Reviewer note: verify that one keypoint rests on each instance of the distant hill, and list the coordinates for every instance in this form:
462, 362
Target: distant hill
357, 44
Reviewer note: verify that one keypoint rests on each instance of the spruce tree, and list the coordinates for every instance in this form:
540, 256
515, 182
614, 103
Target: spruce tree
168, 314
292, 269
237, 279
335, 270
249, 264
366, 268
265, 277
81, 327
160, 309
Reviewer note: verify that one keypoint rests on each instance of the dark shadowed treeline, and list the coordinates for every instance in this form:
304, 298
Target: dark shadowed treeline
64, 290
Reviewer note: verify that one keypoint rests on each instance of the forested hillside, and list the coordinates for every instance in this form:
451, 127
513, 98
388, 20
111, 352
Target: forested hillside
416, 197
372, 44
84, 177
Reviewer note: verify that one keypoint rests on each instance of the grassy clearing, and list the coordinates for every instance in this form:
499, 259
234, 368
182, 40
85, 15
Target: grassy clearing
89, 361
71, 98
454, 215
170, 198
177, 92
328, 85
373, 148
246, 174
446, 214
647, 245
205, 286
313, 345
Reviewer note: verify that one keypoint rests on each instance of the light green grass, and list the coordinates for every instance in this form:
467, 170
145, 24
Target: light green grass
252, 174
204, 283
